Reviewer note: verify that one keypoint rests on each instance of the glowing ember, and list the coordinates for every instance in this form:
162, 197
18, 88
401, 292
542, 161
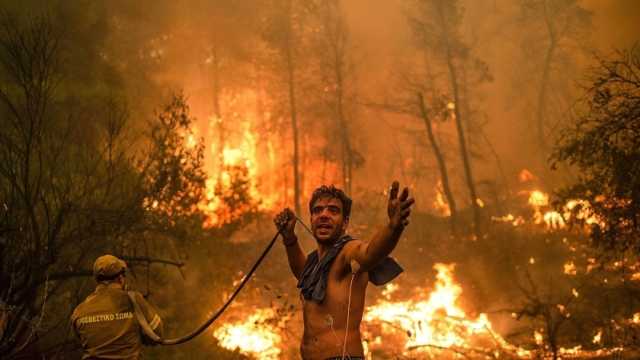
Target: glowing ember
254, 336
389, 289
570, 268
597, 338
506, 218
509, 219
563, 310
537, 336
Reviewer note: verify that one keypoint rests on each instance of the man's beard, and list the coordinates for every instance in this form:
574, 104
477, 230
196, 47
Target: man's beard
335, 236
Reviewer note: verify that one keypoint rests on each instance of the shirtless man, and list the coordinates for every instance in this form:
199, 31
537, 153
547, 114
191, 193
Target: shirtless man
333, 279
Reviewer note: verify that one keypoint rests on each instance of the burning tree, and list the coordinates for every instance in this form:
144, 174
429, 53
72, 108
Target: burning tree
232, 197
436, 27
282, 33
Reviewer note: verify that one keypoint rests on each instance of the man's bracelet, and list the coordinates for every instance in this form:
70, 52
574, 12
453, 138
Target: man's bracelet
291, 243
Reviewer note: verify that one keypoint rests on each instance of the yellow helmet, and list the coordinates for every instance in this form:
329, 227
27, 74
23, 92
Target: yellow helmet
108, 267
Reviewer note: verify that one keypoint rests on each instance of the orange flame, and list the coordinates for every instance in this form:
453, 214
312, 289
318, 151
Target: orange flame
437, 323
434, 326
440, 204
253, 337
551, 219
238, 156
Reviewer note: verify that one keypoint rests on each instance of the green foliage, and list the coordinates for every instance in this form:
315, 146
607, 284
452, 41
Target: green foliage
173, 169
70, 188
604, 145
66, 185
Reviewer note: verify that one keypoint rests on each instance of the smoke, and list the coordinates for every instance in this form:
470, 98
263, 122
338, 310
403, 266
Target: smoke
201, 46
217, 53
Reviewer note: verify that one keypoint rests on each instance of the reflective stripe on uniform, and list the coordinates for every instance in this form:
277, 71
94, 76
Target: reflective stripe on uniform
155, 322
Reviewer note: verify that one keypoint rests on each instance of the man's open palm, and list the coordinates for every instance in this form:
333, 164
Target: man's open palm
399, 208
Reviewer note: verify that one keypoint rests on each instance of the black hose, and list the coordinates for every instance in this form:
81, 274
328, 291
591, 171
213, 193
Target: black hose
153, 336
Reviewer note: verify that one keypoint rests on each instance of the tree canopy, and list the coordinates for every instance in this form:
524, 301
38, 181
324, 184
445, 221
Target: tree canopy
603, 144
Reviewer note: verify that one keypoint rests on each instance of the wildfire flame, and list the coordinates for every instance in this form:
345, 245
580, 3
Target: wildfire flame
440, 204
240, 144
525, 176
236, 158
551, 219
584, 212
438, 323
254, 336
570, 268
538, 199
436, 327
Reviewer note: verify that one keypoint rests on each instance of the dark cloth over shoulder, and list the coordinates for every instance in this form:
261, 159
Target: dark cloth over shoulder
313, 282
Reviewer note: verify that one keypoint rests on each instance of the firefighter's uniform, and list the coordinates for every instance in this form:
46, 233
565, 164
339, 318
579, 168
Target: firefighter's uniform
106, 323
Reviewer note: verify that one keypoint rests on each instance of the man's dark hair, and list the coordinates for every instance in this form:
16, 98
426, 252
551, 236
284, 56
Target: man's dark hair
335, 193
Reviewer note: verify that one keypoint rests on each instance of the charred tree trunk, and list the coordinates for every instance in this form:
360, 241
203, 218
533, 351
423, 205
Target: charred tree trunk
442, 166
464, 153
292, 107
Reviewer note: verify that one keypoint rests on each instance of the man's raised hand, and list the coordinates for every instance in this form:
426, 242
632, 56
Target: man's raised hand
285, 221
399, 208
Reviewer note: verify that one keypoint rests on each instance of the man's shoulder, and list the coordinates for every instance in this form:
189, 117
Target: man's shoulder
81, 308
351, 245
105, 300
347, 251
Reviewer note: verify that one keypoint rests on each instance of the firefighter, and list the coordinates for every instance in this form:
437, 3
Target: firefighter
105, 322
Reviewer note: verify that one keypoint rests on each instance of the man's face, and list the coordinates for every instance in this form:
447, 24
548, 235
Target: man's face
327, 219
